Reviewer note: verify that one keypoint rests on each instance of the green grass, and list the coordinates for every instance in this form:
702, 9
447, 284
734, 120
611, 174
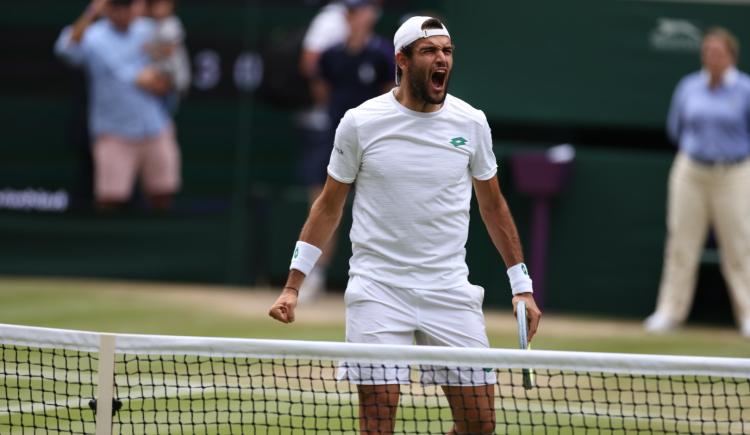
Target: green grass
722, 343
95, 306
145, 308
112, 307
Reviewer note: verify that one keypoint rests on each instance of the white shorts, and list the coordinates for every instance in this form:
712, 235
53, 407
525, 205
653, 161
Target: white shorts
380, 314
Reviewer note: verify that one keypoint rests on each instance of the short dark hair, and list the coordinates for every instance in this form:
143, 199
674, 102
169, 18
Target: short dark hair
432, 23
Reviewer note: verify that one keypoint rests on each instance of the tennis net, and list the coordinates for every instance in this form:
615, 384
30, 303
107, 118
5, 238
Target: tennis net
63, 381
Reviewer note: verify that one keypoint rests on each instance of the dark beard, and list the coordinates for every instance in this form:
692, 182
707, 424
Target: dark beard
419, 90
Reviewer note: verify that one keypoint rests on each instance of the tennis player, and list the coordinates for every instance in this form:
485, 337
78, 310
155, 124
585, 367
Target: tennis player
414, 153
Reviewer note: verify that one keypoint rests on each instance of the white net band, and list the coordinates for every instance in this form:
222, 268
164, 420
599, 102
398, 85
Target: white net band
353, 352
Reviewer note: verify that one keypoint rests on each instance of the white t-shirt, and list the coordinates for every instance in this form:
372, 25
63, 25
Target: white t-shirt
413, 174
328, 28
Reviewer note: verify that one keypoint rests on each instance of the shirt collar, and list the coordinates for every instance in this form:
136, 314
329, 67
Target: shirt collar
729, 77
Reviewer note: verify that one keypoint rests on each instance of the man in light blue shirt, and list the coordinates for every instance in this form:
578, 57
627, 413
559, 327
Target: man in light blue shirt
130, 126
709, 185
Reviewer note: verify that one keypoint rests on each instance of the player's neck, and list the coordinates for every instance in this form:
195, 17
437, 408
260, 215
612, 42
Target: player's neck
406, 98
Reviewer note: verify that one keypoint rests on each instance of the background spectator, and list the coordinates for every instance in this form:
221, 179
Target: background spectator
131, 128
360, 68
709, 183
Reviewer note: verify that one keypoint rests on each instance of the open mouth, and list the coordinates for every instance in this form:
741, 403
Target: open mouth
437, 78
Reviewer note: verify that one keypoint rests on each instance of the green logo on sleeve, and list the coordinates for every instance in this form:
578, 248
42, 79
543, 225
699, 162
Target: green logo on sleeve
296, 253
458, 141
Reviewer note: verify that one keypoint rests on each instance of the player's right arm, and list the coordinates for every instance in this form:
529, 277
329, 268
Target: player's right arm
325, 215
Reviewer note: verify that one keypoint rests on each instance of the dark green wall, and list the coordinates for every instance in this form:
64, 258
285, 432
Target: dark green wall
582, 62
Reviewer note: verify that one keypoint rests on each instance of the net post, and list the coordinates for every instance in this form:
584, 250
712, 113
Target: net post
105, 386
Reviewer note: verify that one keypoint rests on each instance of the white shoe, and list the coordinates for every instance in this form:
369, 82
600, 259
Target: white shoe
745, 328
658, 323
313, 286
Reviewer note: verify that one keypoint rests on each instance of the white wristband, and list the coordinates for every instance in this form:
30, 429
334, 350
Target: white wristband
519, 279
304, 258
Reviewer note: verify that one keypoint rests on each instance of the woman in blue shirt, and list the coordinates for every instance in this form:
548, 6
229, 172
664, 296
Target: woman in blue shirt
709, 184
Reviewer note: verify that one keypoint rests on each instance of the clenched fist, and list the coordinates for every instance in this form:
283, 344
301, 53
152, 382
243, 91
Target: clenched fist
283, 309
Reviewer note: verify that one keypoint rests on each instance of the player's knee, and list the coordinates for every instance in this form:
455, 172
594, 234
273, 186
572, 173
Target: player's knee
484, 424
378, 412
378, 406
486, 427
479, 429
378, 419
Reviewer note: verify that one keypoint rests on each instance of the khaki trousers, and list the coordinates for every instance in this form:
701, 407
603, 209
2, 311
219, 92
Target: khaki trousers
702, 196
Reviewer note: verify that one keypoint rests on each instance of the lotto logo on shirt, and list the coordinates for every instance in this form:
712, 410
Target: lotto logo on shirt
458, 141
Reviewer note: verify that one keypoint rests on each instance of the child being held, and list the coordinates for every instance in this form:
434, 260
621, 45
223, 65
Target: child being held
168, 48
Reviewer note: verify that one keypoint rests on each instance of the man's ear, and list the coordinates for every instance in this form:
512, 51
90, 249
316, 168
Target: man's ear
401, 60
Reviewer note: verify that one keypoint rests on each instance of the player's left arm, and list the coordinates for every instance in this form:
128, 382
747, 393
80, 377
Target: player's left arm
502, 230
